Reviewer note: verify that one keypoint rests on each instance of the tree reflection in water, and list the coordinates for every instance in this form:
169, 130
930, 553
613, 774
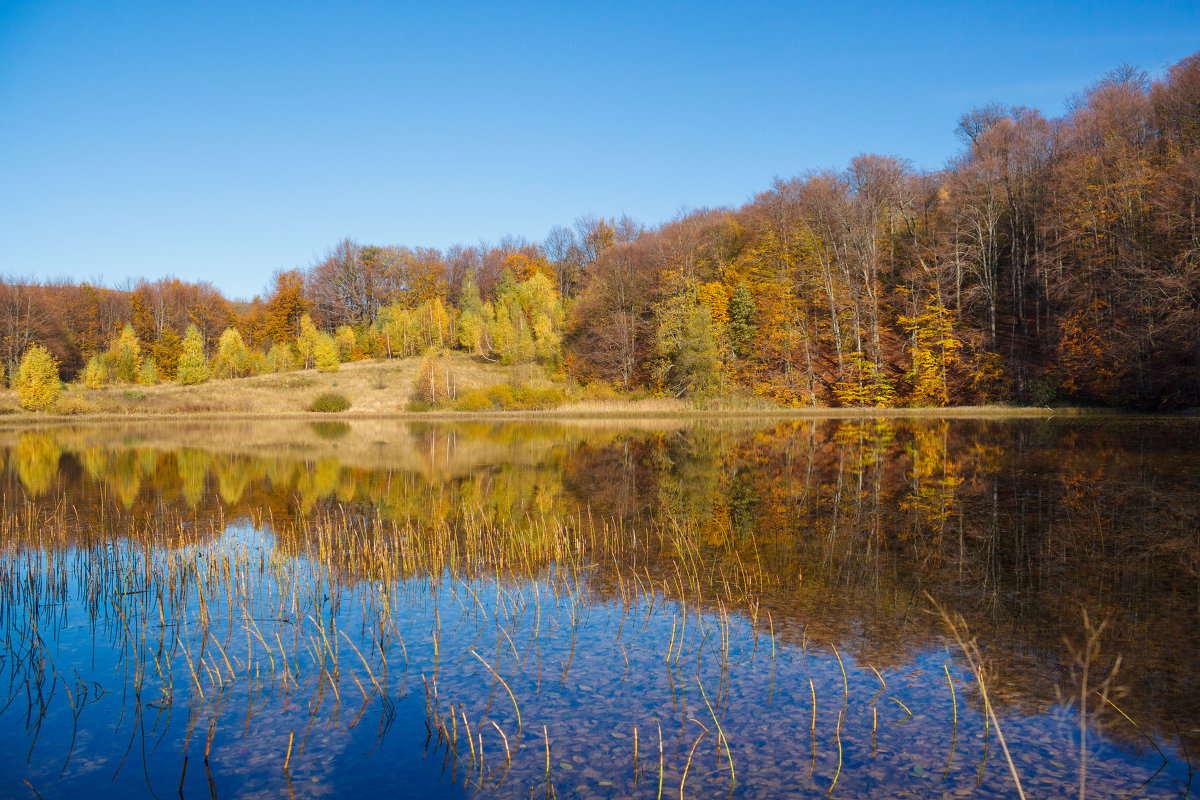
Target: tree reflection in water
741, 557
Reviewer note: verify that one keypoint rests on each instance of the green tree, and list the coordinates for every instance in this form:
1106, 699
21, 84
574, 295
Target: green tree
148, 374
38, 385
686, 344
741, 327
193, 366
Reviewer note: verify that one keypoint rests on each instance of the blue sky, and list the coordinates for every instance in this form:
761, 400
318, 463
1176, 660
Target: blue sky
223, 141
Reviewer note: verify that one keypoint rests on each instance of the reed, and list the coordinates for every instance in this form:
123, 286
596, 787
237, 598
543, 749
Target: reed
219, 627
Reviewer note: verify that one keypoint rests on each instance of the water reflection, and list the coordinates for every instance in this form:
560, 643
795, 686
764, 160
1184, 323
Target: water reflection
816, 534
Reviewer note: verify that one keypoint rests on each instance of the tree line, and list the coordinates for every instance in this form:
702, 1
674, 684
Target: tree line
1051, 260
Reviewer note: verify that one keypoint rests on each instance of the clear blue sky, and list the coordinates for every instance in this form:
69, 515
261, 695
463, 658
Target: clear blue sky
222, 141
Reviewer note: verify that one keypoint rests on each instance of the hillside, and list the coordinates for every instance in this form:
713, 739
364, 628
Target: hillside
372, 386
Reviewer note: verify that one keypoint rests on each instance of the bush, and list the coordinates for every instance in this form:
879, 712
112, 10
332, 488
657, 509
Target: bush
474, 401
549, 397
502, 395
599, 391
330, 430
330, 403
74, 404
37, 383
131, 394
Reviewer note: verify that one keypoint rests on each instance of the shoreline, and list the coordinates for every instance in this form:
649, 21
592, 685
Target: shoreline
618, 411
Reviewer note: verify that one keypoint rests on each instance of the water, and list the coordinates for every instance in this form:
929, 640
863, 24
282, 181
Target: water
745, 609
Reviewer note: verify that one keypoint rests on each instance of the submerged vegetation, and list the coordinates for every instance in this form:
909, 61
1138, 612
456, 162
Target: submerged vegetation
601, 611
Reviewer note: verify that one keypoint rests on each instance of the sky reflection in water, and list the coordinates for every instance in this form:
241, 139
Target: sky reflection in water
609, 581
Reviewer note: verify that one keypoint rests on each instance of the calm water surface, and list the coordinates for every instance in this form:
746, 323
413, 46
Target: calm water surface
601, 609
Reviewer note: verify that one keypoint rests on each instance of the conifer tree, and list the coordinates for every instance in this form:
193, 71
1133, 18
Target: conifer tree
166, 354
193, 366
325, 354
232, 354
148, 374
38, 385
95, 373
306, 342
125, 355
280, 359
741, 320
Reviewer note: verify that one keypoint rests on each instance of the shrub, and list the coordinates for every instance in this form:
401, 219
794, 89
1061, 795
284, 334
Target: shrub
599, 391
131, 394
549, 397
502, 395
37, 384
330, 402
74, 404
330, 430
474, 401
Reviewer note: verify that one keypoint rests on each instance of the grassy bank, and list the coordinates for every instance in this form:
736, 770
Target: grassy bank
387, 388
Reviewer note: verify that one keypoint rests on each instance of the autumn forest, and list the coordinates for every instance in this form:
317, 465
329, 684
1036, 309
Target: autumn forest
1052, 260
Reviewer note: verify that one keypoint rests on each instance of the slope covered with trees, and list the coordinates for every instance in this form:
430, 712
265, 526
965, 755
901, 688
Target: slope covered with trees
1052, 259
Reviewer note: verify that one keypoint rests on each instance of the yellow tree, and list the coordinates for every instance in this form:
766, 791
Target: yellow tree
935, 351
193, 366
125, 355
306, 341
38, 385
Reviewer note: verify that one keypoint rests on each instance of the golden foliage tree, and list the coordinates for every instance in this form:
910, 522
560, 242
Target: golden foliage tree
38, 385
193, 366
125, 355
935, 351
325, 354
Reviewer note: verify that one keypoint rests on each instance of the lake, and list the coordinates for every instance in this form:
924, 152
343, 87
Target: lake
850, 607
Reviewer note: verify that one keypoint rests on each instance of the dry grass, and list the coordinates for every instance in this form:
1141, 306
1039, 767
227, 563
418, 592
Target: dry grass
385, 387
